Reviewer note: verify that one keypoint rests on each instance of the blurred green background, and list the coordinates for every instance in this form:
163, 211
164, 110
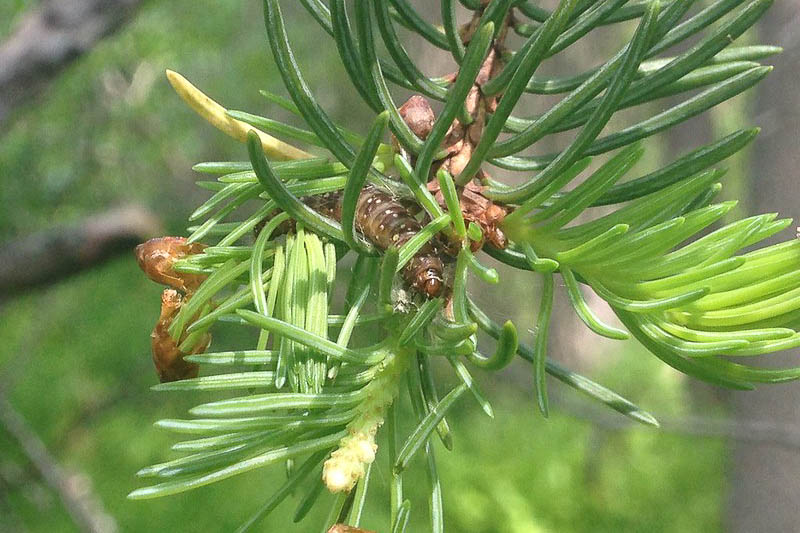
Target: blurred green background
74, 357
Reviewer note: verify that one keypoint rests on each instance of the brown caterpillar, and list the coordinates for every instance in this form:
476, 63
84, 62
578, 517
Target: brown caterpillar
387, 222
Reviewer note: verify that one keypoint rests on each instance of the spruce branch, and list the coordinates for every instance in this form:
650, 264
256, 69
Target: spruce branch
419, 211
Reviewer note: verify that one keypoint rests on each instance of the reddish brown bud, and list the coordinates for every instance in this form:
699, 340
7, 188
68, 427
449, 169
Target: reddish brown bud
418, 114
494, 216
477, 208
167, 357
157, 257
342, 528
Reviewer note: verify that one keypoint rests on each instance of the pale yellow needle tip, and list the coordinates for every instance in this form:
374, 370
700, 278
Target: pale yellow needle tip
218, 117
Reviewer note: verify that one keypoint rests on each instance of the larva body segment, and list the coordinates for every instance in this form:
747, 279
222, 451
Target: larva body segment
386, 222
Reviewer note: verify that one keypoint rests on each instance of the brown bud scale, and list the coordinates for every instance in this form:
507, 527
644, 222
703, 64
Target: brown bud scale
167, 356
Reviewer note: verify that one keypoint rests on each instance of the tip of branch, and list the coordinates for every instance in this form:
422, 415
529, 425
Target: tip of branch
218, 117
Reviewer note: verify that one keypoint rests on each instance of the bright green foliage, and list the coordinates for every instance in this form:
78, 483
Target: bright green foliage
313, 398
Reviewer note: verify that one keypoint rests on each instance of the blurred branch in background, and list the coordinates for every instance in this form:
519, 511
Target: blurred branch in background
764, 477
81, 503
753, 431
51, 37
43, 44
48, 256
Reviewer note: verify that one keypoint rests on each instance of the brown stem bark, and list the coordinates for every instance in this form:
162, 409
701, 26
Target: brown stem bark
765, 487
